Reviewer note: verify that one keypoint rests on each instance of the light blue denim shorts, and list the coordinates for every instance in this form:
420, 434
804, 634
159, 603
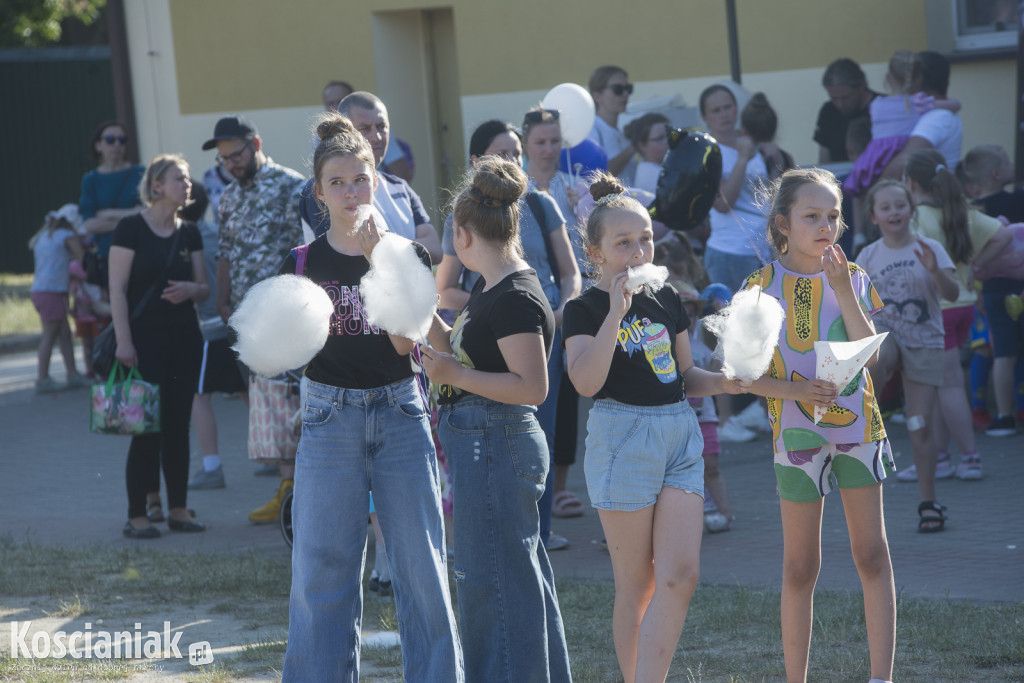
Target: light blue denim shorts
634, 451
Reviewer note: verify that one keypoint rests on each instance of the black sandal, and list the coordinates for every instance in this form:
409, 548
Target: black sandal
155, 512
931, 524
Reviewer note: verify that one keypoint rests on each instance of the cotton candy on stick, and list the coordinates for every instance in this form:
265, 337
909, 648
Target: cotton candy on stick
747, 331
281, 323
399, 293
839, 362
647, 274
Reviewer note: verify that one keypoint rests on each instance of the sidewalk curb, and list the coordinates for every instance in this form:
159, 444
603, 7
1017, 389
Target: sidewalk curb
17, 343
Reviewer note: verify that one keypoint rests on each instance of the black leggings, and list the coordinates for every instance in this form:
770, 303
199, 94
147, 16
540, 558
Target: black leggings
169, 355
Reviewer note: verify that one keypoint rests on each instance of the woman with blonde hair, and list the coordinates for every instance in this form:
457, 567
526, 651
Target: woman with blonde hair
156, 274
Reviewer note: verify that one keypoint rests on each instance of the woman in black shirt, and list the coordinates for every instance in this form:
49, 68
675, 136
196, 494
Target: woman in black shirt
156, 260
497, 452
364, 426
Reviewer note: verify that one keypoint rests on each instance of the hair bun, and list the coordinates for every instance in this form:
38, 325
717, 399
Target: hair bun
605, 185
758, 101
498, 183
332, 124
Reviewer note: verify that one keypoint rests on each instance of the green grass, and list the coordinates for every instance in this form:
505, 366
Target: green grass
264, 651
17, 314
732, 633
96, 574
71, 609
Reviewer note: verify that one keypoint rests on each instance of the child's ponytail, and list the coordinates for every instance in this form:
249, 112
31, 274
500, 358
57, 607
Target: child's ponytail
927, 168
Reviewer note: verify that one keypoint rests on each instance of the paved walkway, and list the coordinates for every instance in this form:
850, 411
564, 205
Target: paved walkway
62, 485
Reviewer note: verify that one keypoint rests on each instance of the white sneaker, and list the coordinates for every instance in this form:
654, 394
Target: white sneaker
709, 502
753, 417
907, 474
556, 542
969, 469
716, 522
944, 469
730, 431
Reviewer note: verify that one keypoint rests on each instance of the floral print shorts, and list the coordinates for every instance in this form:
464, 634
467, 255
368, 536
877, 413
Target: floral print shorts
807, 475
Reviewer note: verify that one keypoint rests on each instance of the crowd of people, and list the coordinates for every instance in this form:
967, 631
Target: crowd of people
534, 270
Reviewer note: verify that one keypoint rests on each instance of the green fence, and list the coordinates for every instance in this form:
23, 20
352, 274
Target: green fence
53, 98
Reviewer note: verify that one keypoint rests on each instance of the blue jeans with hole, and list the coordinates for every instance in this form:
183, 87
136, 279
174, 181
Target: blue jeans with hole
352, 441
508, 608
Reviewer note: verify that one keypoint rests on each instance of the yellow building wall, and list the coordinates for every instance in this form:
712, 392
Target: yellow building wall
196, 60
279, 54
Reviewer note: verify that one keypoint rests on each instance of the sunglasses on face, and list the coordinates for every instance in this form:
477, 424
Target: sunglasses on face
619, 88
538, 116
112, 139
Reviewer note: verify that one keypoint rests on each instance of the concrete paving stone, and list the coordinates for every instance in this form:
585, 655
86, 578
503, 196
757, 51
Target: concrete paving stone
63, 485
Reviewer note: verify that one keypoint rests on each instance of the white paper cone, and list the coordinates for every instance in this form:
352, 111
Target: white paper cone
839, 362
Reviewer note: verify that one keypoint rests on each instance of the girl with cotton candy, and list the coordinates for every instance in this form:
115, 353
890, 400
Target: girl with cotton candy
627, 346
825, 298
492, 370
364, 425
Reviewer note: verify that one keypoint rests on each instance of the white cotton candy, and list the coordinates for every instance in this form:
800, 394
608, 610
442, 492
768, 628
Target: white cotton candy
399, 293
281, 323
748, 331
363, 213
648, 274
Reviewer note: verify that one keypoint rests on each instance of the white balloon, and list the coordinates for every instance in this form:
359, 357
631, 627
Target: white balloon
575, 109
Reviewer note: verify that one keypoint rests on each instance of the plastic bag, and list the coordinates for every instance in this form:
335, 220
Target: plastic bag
125, 404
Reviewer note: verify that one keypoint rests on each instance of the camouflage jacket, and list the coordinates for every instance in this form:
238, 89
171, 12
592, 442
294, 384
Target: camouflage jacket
258, 225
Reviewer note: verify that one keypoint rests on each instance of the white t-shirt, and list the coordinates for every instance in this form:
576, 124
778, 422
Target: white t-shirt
944, 130
912, 311
646, 176
395, 200
742, 230
52, 261
613, 141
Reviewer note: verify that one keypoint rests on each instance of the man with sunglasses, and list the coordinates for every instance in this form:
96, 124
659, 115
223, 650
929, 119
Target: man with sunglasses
610, 88
258, 224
